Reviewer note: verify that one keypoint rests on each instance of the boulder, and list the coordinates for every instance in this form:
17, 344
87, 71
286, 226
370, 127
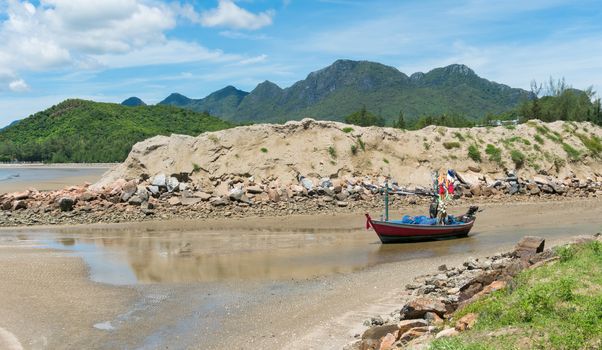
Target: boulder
88, 196
307, 183
172, 184
274, 195
420, 306
236, 194
175, 200
466, 322
203, 196
66, 203
387, 341
160, 180
19, 204
135, 200
528, 246
406, 325
154, 190
218, 201
254, 189
6, 205
21, 195
446, 333
413, 334
342, 204
378, 332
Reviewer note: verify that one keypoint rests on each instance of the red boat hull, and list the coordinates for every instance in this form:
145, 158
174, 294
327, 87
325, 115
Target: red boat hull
392, 232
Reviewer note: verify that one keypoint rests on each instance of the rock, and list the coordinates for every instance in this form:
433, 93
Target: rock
147, 211
142, 193
19, 204
442, 267
154, 190
128, 190
236, 194
274, 195
191, 200
6, 205
173, 201
471, 264
540, 179
66, 203
21, 195
413, 334
420, 306
135, 200
466, 322
325, 183
406, 325
513, 189
88, 196
432, 318
218, 202
446, 333
182, 186
474, 168
203, 196
387, 341
377, 321
412, 286
528, 246
378, 332
342, 196
342, 204
172, 184
159, 180
254, 189
307, 183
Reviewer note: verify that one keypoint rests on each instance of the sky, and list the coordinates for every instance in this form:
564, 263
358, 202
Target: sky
112, 49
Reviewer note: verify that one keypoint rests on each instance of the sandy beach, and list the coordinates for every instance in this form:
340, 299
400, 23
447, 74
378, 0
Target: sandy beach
51, 299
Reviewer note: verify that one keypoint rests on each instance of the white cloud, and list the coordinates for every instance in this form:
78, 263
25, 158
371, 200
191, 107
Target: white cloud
228, 14
252, 60
18, 85
232, 34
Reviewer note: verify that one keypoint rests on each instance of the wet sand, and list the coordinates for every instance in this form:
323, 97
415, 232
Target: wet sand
48, 177
303, 283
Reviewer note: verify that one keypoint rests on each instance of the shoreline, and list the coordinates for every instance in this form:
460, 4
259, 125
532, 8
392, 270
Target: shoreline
57, 165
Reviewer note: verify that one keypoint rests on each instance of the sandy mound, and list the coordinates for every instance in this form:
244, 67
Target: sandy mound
318, 149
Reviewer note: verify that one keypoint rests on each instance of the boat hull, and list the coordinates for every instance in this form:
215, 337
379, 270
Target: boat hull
391, 232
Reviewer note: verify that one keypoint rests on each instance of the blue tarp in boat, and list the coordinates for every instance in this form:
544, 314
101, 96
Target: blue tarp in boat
425, 220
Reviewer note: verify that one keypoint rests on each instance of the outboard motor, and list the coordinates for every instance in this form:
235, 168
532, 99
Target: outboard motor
470, 214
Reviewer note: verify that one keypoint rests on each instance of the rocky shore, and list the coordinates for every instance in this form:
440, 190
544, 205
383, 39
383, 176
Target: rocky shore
178, 196
435, 298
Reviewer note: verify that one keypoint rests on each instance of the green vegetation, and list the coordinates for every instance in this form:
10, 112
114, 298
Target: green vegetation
85, 131
495, 154
426, 145
400, 123
474, 154
593, 144
518, 158
450, 145
364, 118
347, 130
556, 306
384, 90
459, 136
573, 154
386, 160
539, 139
353, 149
452, 121
196, 168
361, 144
264, 150
332, 152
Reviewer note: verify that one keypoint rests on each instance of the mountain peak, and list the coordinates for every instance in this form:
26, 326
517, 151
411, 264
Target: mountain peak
175, 99
459, 69
133, 102
227, 92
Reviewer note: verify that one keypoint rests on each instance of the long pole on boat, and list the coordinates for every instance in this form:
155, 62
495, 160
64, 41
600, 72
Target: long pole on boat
386, 200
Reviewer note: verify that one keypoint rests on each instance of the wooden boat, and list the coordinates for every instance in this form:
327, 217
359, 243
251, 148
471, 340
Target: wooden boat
394, 231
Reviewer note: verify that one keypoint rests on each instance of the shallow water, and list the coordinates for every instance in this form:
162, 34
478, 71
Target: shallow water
190, 251
45, 178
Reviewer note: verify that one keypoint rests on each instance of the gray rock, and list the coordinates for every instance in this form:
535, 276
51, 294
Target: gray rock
154, 190
218, 202
342, 196
513, 189
66, 203
236, 194
19, 204
254, 189
325, 183
172, 184
135, 200
183, 186
159, 180
342, 204
307, 183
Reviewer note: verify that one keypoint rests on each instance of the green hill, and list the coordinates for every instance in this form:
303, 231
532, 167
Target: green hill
347, 86
86, 131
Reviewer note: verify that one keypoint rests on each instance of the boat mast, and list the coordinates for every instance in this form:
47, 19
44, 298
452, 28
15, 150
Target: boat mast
386, 200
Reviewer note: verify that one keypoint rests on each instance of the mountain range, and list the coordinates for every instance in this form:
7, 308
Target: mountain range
346, 86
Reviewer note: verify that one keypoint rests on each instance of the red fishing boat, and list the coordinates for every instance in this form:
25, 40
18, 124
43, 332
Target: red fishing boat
396, 231
438, 226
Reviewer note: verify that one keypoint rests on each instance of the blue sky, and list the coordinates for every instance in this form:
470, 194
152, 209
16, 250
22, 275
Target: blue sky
112, 49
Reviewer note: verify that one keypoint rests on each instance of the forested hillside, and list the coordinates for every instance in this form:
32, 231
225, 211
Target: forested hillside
86, 131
